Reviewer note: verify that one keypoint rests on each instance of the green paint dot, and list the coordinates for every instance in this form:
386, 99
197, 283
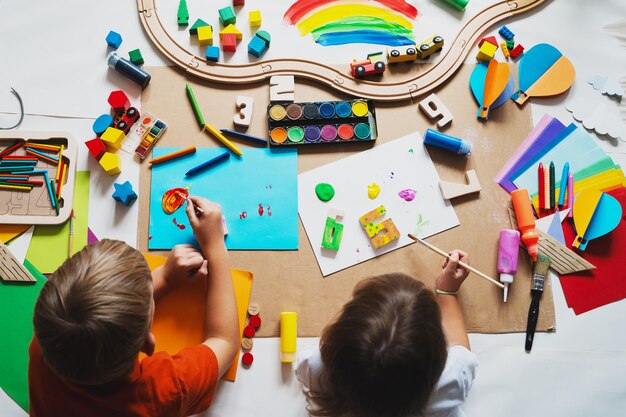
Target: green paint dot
324, 191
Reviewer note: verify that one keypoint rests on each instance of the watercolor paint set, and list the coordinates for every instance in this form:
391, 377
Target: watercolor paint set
321, 122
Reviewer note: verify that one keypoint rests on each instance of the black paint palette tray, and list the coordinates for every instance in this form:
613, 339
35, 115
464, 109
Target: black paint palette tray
321, 122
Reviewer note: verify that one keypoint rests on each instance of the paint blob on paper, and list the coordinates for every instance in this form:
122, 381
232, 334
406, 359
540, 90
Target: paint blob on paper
324, 191
173, 199
373, 190
407, 195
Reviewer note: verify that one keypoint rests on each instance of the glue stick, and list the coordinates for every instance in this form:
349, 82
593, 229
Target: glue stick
526, 221
508, 249
128, 69
288, 334
447, 142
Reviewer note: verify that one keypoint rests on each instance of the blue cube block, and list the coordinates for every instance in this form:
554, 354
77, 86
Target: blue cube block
114, 39
506, 33
212, 53
257, 46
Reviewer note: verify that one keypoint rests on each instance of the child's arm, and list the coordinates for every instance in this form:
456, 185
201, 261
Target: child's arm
221, 317
451, 315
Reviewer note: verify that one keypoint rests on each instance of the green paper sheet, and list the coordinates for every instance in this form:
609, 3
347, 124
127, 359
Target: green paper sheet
17, 302
49, 246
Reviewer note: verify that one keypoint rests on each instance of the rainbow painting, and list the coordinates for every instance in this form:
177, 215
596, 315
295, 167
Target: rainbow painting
337, 22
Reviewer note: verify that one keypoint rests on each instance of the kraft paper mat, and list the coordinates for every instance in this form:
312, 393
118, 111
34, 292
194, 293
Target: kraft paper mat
291, 280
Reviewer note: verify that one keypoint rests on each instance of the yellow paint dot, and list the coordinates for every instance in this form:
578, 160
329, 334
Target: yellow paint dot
373, 190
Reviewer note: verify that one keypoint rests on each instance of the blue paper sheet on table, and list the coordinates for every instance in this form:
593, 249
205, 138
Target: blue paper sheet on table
258, 193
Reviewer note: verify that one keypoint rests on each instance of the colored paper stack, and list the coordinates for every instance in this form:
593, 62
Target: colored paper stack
593, 169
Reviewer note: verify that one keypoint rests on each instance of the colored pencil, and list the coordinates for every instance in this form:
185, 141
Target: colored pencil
60, 164
244, 136
563, 187
194, 105
70, 246
461, 264
540, 178
15, 187
218, 135
11, 148
570, 194
173, 155
552, 186
205, 165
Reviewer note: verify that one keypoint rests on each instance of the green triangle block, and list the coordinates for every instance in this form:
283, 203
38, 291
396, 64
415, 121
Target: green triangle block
199, 23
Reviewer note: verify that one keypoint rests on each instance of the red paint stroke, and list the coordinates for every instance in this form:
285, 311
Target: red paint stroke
260, 209
243, 215
302, 7
269, 212
180, 226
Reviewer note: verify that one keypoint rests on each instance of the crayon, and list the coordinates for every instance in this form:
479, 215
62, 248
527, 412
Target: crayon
194, 105
563, 187
218, 135
243, 136
205, 165
173, 155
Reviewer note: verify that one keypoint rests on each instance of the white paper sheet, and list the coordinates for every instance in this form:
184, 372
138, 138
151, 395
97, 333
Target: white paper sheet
399, 165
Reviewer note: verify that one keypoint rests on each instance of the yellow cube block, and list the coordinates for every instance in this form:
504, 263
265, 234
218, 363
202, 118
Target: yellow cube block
486, 51
205, 35
113, 138
255, 18
111, 163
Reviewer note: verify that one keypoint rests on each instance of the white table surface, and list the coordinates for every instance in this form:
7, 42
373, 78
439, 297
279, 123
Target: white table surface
53, 55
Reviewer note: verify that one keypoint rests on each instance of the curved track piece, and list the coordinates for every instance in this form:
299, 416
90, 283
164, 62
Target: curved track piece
383, 91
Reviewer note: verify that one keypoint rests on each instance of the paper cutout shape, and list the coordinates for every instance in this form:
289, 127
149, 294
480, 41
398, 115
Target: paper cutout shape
496, 80
595, 116
543, 71
452, 189
434, 107
179, 316
380, 234
595, 214
606, 85
333, 231
477, 85
556, 230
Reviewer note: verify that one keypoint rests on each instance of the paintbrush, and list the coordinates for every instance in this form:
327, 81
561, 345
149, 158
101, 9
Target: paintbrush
539, 278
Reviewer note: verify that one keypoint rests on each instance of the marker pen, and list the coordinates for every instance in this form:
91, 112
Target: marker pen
508, 250
128, 69
447, 142
526, 221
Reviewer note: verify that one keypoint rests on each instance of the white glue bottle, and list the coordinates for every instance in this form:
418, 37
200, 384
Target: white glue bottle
508, 251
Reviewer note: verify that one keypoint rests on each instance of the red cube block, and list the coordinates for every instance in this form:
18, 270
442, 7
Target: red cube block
239, 2
119, 100
96, 148
229, 42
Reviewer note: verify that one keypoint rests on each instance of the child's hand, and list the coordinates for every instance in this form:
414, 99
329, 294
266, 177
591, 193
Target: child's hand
453, 275
205, 218
184, 265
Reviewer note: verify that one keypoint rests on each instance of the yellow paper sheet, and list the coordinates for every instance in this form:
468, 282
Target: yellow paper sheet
50, 244
179, 317
9, 232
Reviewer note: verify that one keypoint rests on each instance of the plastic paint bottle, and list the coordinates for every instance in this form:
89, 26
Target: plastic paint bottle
526, 221
508, 250
288, 334
458, 4
128, 69
447, 142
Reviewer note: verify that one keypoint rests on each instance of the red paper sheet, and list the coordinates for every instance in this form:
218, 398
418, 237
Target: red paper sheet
588, 290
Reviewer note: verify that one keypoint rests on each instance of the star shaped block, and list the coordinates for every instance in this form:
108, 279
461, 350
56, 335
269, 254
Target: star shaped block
124, 193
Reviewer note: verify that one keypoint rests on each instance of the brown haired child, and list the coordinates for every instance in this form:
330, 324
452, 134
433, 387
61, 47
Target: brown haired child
93, 317
396, 349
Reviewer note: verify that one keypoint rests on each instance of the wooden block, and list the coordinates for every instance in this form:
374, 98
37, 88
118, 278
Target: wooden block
229, 42
434, 107
486, 52
333, 231
96, 148
11, 270
114, 39
113, 138
227, 16
245, 105
254, 17
212, 53
193, 30
256, 46
452, 189
238, 3
231, 29
135, 57
205, 35
118, 100
380, 234
282, 88
183, 13
111, 163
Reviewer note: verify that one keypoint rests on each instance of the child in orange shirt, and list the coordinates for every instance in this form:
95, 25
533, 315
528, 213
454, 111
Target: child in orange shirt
93, 317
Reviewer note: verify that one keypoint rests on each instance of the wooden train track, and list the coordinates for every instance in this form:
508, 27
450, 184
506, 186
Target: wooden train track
410, 88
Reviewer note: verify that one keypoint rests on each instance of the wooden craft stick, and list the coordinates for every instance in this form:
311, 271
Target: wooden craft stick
11, 148
173, 155
59, 165
461, 264
15, 187
49, 148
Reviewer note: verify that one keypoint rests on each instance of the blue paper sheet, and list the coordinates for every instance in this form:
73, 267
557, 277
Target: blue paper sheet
258, 194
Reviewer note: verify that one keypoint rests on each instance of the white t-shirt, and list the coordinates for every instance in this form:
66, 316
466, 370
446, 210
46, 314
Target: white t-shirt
450, 392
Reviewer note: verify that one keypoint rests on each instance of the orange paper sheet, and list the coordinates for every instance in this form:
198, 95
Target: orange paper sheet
179, 315
9, 232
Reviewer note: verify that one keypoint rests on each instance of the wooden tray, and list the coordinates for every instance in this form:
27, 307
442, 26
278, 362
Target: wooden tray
34, 207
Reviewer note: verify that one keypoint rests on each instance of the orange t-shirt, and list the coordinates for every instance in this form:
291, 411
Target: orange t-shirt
161, 385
